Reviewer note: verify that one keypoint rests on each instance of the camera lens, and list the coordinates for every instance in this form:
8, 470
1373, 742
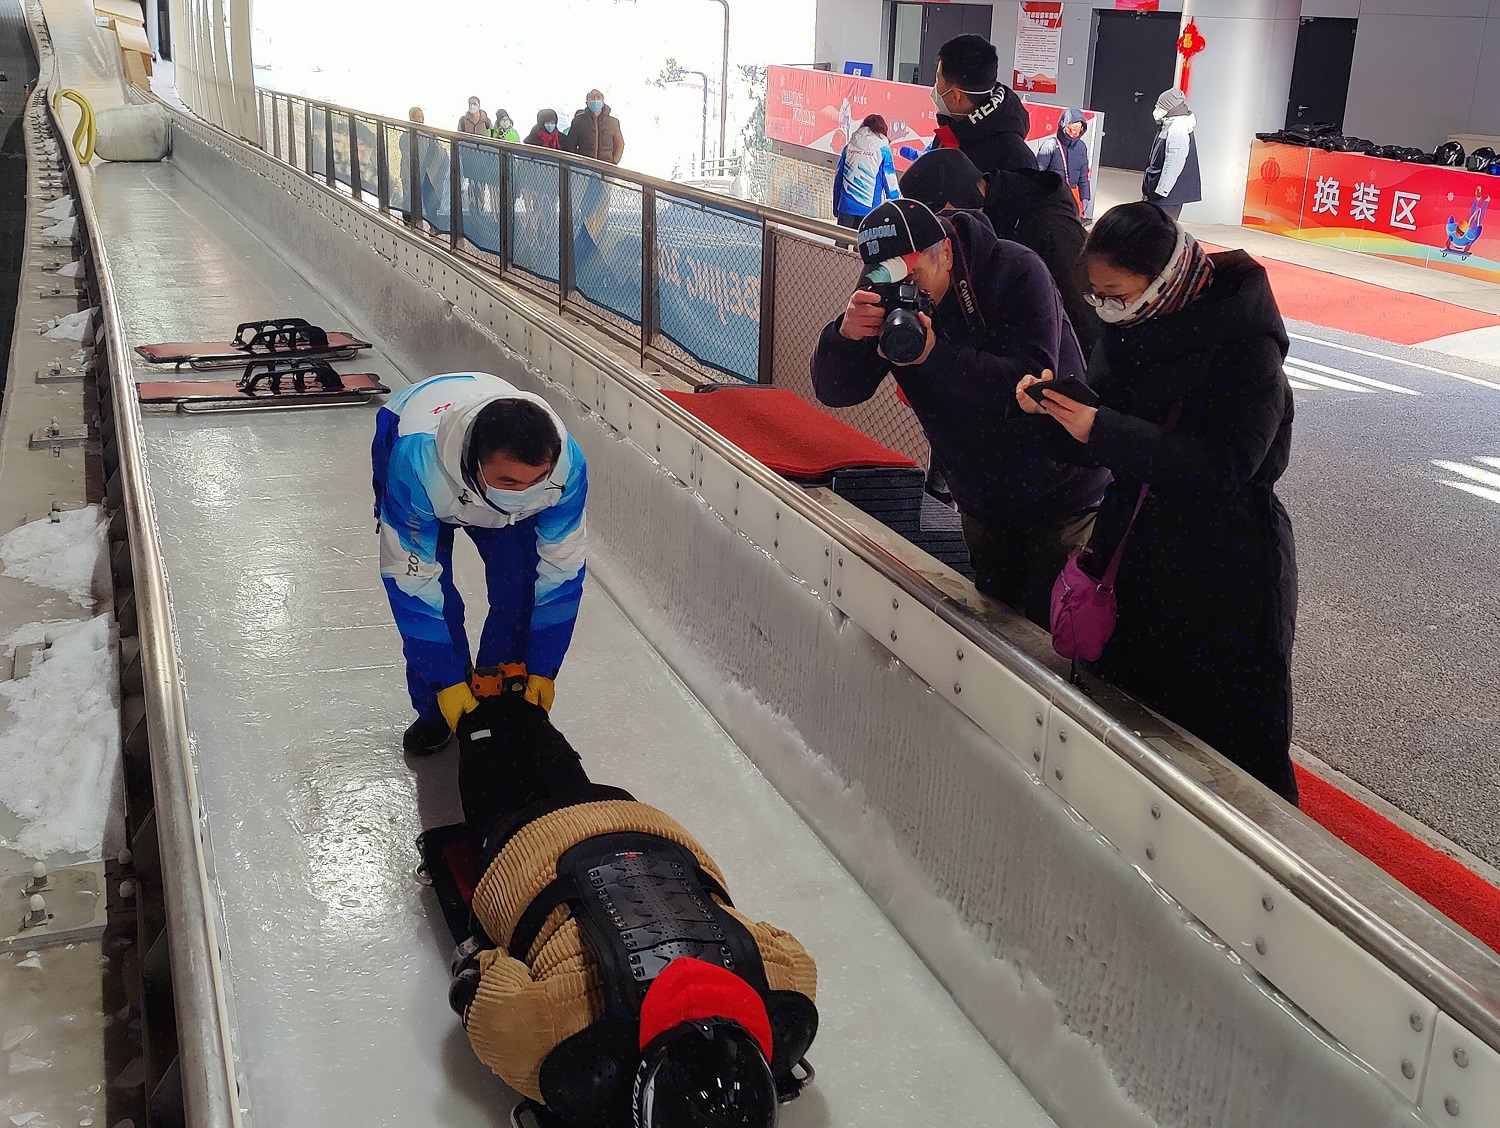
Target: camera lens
902, 337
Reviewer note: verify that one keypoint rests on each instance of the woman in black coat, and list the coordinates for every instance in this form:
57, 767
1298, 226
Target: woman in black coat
1207, 586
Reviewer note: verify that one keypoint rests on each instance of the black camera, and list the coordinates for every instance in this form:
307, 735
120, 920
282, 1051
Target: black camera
902, 338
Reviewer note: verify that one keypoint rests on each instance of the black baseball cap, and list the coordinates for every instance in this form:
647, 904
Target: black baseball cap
893, 234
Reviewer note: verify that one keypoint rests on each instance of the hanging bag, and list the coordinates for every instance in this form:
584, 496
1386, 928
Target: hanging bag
1084, 610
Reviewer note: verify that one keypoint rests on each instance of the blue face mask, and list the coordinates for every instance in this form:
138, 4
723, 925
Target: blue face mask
550, 127
595, 105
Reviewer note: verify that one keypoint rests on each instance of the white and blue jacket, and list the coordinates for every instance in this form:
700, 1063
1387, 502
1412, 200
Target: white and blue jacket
866, 176
421, 439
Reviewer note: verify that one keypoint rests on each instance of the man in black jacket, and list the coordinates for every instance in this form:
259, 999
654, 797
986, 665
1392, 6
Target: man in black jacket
978, 113
995, 317
1028, 206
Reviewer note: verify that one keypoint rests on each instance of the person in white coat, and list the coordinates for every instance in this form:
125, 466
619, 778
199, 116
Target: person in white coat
1172, 177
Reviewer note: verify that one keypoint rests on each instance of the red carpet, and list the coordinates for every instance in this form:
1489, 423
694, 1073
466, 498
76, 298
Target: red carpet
1335, 302
1453, 890
778, 428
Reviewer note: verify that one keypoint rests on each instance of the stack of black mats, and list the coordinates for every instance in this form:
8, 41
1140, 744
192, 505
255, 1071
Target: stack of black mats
897, 497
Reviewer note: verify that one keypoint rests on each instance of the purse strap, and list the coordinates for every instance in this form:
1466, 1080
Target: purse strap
1108, 582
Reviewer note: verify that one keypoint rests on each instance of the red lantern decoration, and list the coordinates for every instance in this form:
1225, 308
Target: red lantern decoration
1189, 43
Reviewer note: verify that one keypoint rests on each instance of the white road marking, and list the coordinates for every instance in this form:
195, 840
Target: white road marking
1300, 386
1326, 381
1478, 491
1355, 376
1490, 479
1397, 360
1489, 460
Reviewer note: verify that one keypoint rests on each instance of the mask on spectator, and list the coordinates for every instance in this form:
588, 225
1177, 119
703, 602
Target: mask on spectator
1115, 311
1159, 114
503, 122
937, 100
473, 107
550, 127
595, 105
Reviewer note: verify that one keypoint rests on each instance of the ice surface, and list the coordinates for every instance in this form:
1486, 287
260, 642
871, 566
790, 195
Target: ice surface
15, 1036
64, 230
25, 1063
71, 327
67, 554
60, 752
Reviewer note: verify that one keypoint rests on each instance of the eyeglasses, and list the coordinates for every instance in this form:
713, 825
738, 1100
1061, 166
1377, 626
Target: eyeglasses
1104, 301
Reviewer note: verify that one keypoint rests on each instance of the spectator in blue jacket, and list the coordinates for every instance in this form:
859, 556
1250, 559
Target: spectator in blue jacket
1067, 154
866, 176
468, 450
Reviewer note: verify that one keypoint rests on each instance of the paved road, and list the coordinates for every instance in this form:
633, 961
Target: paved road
1394, 491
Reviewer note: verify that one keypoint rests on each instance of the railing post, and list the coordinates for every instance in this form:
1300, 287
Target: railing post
307, 132
504, 211
648, 270
329, 174
276, 127
356, 185
564, 234
455, 194
766, 361
382, 170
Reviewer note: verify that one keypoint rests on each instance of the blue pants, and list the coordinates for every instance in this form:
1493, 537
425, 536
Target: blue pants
510, 562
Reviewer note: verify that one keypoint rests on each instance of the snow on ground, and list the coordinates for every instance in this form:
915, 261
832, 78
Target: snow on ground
64, 230
69, 328
59, 209
60, 753
67, 554
69, 270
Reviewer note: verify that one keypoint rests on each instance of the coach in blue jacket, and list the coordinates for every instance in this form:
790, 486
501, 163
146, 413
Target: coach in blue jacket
467, 450
996, 316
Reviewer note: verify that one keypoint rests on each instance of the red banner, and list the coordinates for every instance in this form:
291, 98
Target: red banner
1138, 5
1422, 214
819, 110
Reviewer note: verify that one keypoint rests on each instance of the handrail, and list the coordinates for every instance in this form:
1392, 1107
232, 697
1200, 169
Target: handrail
205, 1054
1429, 972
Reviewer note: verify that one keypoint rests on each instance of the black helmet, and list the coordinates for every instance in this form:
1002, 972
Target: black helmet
1480, 159
705, 1074
1449, 153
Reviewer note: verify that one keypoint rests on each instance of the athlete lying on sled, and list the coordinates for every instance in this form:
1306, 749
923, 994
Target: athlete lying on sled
608, 976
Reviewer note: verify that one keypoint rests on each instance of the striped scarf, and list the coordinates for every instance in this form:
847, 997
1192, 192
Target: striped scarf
1186, 276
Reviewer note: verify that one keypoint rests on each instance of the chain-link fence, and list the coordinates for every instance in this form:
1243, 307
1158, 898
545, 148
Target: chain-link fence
434, 173
790, 185
367, 149
607, 225
479, 192
341, 131
708, 267
535, 229
397, 168
812, 286
318, 158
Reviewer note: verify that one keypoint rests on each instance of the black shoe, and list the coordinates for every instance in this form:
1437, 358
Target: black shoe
424, 737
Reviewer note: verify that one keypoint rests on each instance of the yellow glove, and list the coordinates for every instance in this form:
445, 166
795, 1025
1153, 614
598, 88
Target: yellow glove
455, 701
540, 691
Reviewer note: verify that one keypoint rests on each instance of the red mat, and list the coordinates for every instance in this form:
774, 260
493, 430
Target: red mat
1342, 303
1448, 886
786, 433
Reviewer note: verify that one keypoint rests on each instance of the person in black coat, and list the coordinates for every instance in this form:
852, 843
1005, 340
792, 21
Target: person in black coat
1207, 587
1025, 205
978, 113
994, 316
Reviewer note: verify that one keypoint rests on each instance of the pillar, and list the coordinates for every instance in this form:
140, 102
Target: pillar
1239, 86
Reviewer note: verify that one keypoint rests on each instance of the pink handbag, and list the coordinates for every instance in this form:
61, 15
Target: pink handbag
1084, 610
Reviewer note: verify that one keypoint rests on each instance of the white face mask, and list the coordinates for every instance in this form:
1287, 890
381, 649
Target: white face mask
518, 501
937, 100
1159, 114
1114, 311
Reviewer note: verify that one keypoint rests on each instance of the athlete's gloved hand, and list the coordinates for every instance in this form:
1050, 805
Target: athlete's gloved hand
455, 701
540, 691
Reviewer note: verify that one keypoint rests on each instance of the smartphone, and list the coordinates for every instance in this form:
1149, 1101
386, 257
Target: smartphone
1070, 386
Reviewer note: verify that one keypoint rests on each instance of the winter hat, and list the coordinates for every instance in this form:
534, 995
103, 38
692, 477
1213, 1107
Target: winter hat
1172, 102
690, 990
544, 116
892, 235
942, 177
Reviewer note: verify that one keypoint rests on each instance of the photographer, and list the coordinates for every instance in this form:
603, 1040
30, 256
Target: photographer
975, 316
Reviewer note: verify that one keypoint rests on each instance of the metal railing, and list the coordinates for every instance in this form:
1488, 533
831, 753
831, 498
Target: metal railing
701, 284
